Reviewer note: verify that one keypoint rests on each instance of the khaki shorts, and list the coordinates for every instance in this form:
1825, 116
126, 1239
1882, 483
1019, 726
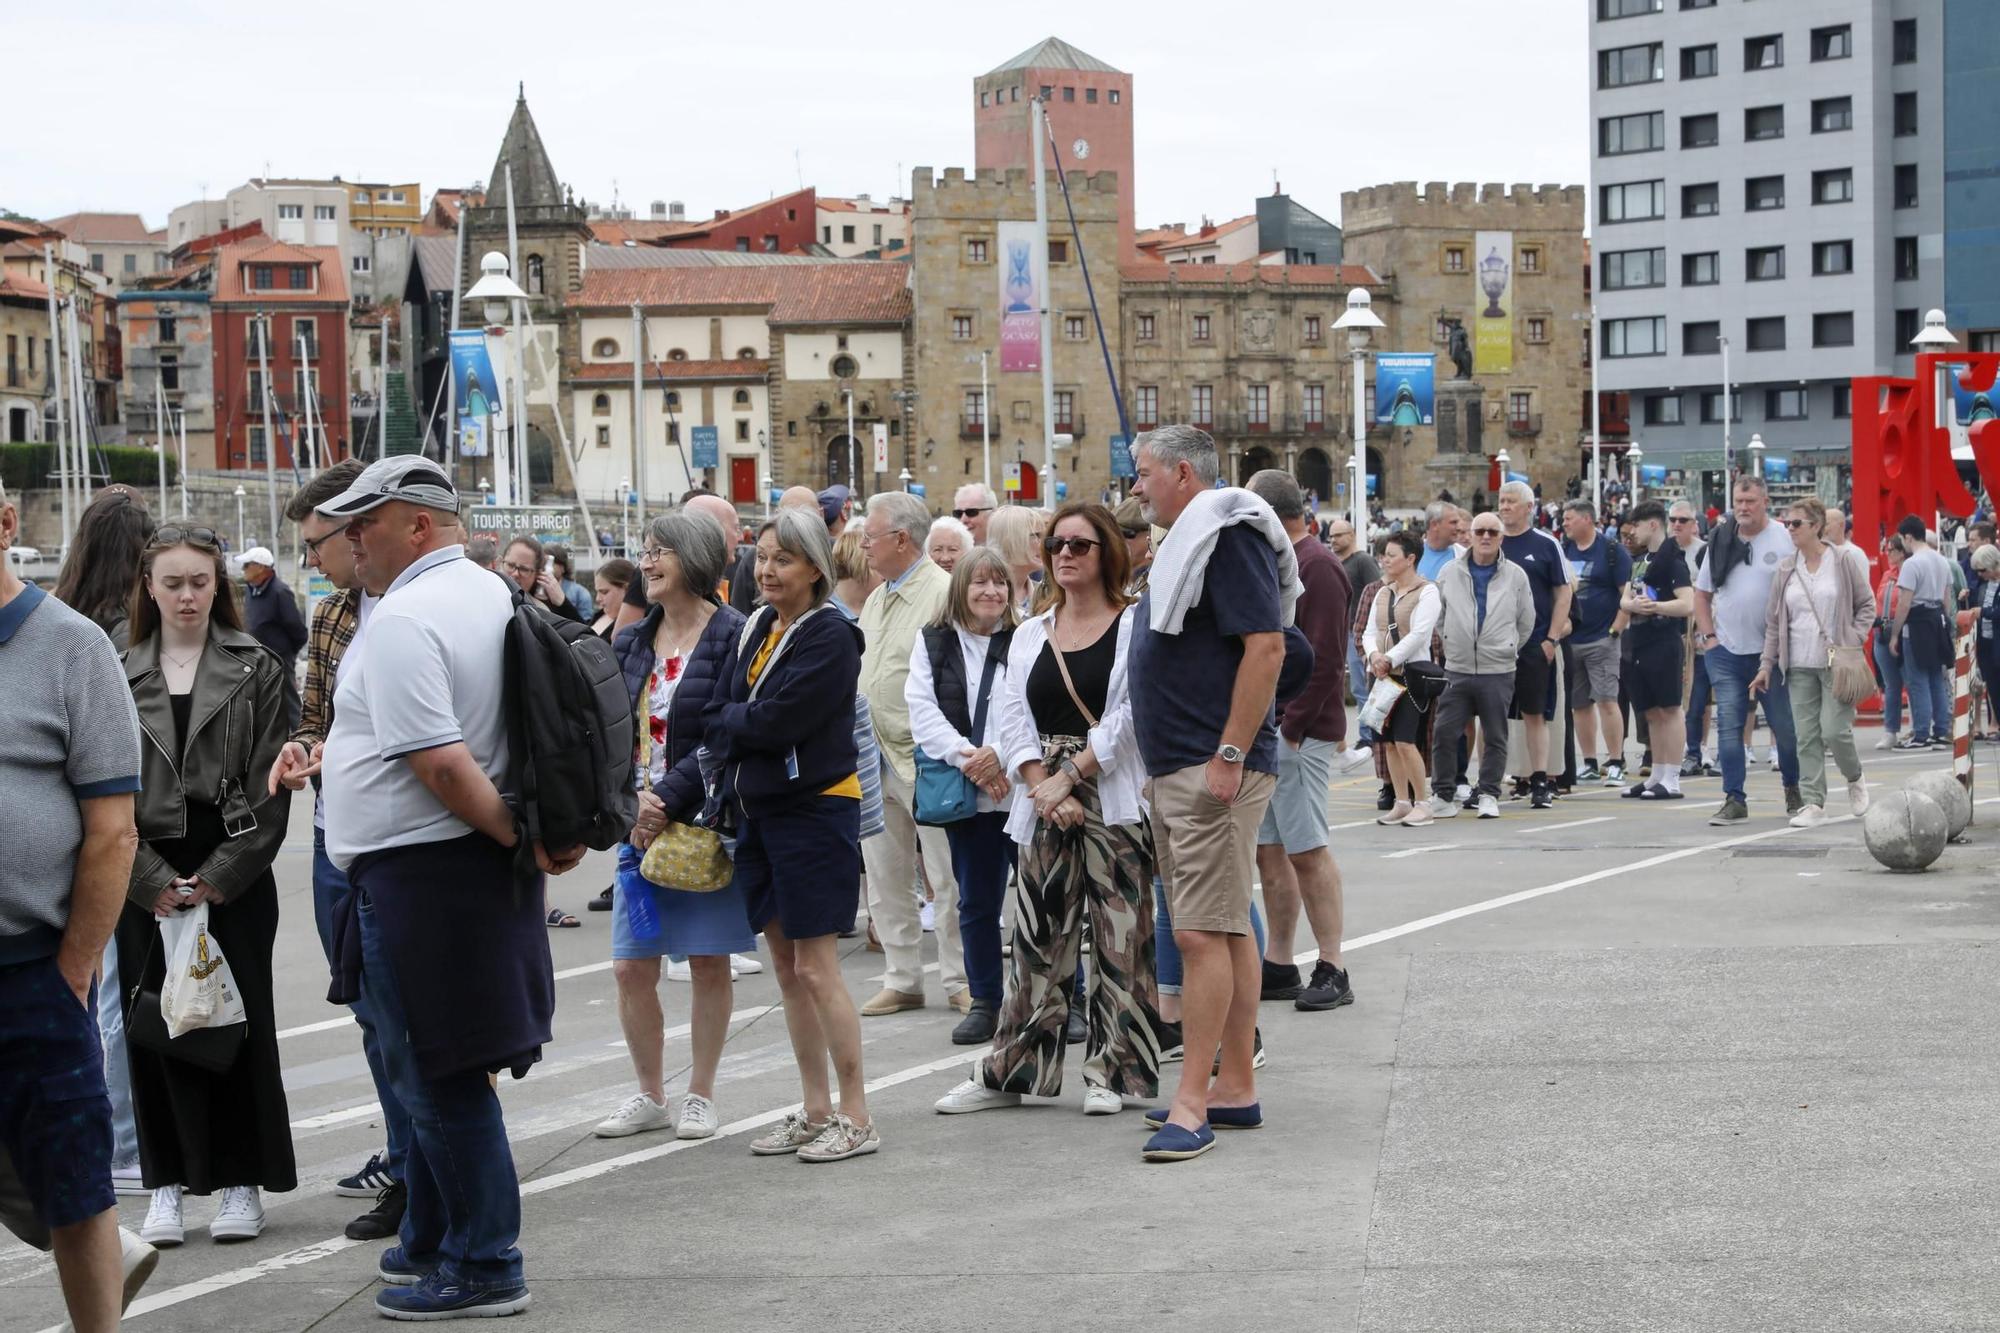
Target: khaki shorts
1207, 851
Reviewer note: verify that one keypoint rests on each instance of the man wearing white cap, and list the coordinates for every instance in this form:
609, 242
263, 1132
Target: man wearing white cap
272, 616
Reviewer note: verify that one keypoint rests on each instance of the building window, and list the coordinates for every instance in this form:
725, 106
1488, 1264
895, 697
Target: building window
878, 233
1201, 405
673, 399
1146, 406
1145, 328
1843, 400
1623, 66
1626, 269
1764, 263
291, 212
1048, 92
1906, 185
170, 373
1834, 330
1311, 332
1065, 405
1257, 406
1907, 324
1663, 409
604, 437
1113, 94
677, 354
1697, 4
1906, 259
1701, 270
740, 400
1711, 406
975, 250
1625, 9
1833, 115
605, 349
258, 448
1698, 62
1701, 337
1453, 260
975, 408
1784, 404
537, 276
1069, 94
1906, 114
743, 432
1537, 329
746, 354
1635, 337
262, 278
1314, 401
1642, 133
844, 367
961, 327
846, 235
1703, 131
323, 213
1763, 122
1763, 52
1763, 193
1531, 259
305, 336
1635, 201
1833, 186
1765, 334
1520, 410
1701, 201
1201, 329
1058, 252
826, 235
169, 328
363, 264
1832, 257
983, 98
1903, 42
301, 276
1090, 96
600, 405
1833, 43
1073, 328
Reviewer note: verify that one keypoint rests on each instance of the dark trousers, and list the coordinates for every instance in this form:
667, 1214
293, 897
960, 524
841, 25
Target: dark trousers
1484, 697
982, 857
329, 888
464, 1198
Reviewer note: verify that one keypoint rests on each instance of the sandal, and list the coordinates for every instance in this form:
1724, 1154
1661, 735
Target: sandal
559, 918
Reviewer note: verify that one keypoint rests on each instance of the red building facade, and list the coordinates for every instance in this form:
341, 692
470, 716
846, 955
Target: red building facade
1089, 106
280, 309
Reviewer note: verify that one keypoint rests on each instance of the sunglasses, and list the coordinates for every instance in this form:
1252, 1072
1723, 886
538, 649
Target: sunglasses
1486, 532
1684, 518
963, 514
1795, 523
1133, 534
177, 536
1077, 545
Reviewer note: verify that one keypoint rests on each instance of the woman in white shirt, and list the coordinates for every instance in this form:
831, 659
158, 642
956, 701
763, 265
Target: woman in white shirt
1399, 631
957, 666
1820, 604
1065, 732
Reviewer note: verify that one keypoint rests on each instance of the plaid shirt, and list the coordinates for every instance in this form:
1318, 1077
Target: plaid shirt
333, 624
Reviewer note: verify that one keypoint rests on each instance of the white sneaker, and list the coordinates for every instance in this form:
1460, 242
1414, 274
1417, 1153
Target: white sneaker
1462, 793
1888, 741
972, 1095
1102, 1101
125, 1179
1857, 796
697, 1118
138, 1260
1420, 815
678, 970
1810, 817
1359, 756
163, 1224
638, 1114
241, 1216
1489, 808
745, 964
1444, 809
1774, 758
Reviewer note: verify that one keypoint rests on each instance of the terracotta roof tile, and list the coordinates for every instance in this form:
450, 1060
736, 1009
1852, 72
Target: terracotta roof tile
1204, 236
229, 264
621, 371
20, 285
1251, 270
841, 291
105, 228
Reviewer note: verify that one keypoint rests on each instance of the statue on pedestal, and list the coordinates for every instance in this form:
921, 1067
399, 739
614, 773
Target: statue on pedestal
1460, 350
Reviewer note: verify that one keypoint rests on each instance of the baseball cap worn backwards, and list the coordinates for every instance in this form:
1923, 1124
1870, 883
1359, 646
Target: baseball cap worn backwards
410, 477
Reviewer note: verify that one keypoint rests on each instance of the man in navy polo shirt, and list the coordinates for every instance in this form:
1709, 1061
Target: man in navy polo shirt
1540, 557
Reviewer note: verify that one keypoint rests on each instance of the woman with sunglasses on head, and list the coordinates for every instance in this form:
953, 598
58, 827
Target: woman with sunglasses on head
212, 719
1065, 732
1820, 606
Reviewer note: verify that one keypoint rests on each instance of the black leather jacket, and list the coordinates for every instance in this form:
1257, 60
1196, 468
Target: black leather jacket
239, 723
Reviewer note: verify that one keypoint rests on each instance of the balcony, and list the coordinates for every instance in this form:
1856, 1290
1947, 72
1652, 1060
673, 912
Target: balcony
1529, 423
1074, 429
971, 428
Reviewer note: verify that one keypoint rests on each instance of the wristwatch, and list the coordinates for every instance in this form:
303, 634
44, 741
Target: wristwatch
1229, 754
1068, 768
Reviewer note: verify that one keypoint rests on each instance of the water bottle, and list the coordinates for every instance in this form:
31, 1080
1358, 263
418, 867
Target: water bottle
642, 914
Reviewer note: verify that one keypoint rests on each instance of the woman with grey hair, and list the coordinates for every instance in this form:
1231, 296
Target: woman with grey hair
948, 543
783, 727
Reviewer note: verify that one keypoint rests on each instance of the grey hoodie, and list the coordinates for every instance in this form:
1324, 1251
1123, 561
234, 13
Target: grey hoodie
1471, 648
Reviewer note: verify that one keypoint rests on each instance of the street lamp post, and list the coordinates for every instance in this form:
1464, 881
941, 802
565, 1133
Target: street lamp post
1756, 455
501, 297
1360, 320
903, 478
767, 495
239, 520
1634, 454
625, 514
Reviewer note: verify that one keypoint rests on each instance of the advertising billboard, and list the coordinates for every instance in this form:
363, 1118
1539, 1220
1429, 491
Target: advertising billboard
1493, 326
1405, 389
1020, 298
475, 389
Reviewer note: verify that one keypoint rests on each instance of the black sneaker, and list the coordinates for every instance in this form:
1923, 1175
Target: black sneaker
1386, 798
1589, 772
1690, 767
1256, 1060
1170, 1042
1709, 770
1733, 811
1281, 981
978, 1025
1521, 789
1328, 989
1541, 798
602, 902
1078, 1028
385, 1219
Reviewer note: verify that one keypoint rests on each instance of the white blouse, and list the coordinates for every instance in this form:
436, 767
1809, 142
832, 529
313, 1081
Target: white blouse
932, 731
1416, 645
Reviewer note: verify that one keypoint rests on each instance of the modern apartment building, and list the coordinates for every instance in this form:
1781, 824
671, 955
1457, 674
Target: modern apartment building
1768, 187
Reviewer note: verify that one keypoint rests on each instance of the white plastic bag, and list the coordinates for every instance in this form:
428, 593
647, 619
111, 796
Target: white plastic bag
198, 991
1381, 700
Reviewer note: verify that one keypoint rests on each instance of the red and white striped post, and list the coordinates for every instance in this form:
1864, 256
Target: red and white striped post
1961, 715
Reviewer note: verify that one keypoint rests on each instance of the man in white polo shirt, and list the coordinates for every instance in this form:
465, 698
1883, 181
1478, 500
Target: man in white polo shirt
454, 958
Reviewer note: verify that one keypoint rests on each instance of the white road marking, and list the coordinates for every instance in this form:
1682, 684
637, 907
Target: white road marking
1574, 823
1417, 851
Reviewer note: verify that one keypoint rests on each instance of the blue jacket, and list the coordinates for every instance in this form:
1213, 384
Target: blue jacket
700, 682
796, 738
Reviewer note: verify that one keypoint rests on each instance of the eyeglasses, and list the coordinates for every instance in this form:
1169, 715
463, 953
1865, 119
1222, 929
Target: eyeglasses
191, 536
525, 571
963, 514
651, 555
1076, 545
312, 544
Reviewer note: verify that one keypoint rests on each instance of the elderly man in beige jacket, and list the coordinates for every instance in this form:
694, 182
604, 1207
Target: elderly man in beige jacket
911, 595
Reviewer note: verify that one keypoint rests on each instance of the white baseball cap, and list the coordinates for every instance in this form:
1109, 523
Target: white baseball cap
259, 555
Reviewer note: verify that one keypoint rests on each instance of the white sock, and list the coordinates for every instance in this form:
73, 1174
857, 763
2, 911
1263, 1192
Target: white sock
1668, 776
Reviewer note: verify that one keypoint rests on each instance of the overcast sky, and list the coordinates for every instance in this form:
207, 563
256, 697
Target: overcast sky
152, 103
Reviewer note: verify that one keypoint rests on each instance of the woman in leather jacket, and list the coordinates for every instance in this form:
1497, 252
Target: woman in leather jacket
212, 718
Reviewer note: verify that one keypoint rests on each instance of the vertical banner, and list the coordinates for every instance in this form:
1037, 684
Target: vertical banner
1020, 298
1493, 329
881, 446
476, 390
1405, 393
706, 443
1122, 464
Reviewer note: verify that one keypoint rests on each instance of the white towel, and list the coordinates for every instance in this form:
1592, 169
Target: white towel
1180, 565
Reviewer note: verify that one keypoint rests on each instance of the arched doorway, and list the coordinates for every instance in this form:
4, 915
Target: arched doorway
1377, 479
541, 459
1031, 490
839, 461
1316, 472
1255, 460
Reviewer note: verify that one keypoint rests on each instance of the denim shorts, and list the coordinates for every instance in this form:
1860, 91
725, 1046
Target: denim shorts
690, 925
55, 1116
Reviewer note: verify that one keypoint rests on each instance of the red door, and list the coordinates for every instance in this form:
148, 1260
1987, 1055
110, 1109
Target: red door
743, 481
1029, 491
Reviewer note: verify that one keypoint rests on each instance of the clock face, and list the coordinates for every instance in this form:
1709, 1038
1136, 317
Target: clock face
1081, 148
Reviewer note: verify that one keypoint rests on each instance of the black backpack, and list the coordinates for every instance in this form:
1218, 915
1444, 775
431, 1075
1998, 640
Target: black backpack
569, 733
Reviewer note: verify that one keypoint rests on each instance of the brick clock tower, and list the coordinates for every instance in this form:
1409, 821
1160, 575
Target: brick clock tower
1089, 106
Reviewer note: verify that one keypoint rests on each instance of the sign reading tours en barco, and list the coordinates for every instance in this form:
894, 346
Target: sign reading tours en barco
545, 523
1493, 327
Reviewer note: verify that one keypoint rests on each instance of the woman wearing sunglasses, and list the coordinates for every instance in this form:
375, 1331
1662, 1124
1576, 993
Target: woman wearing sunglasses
1065, 737
211, 703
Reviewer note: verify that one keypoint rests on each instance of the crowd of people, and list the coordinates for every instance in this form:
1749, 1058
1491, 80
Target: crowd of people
1069, 745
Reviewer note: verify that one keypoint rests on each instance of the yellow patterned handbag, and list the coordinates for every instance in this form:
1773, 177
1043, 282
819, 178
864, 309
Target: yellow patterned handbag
683, 856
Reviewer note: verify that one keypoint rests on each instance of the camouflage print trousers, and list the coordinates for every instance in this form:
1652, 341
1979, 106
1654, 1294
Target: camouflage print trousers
1108, 871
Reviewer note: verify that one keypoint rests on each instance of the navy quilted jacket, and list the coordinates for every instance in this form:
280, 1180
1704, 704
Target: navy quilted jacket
700, 683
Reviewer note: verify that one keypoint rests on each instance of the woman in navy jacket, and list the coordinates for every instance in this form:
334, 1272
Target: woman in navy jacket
674, 659
784, 729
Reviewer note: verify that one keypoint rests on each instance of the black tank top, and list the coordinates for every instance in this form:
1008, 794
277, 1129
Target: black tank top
1090, 667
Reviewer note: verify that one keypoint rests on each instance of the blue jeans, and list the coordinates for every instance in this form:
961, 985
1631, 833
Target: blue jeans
329, 888
464, 1198
1357, 681
1730, 674
1167, 954
117, 1066
1889, 667
1699, 693
982, 856
1930, 697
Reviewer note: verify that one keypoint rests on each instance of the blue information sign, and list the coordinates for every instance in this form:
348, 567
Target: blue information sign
707, 446
1121, 457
